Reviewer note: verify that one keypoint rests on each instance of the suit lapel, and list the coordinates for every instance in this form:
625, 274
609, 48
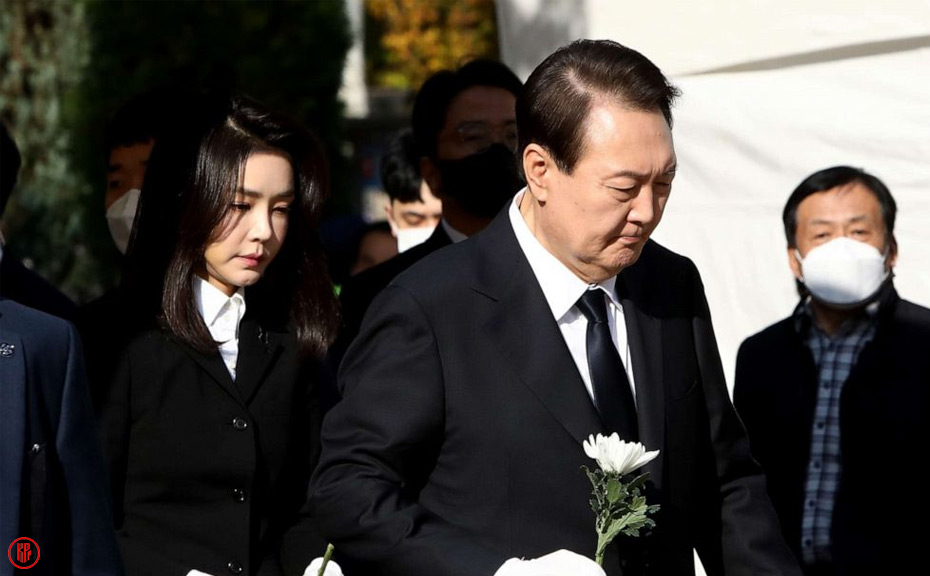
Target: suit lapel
644, 334
12, 429
257, 349
527, 334
213, 365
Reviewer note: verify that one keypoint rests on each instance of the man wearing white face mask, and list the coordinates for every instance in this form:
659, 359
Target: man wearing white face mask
130, 137
836, 396
413, 211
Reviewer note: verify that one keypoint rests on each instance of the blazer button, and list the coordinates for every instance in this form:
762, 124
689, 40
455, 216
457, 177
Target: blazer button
235, 567
239, 495
240, 423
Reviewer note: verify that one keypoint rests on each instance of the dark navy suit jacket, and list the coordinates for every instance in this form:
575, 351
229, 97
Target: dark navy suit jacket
52, 479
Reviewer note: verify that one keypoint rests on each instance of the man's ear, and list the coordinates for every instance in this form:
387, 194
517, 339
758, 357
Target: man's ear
429, 171
538, 167
892, 259
389, 213
794, 264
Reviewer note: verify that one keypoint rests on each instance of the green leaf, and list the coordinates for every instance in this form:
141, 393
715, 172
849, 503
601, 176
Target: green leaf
614, 490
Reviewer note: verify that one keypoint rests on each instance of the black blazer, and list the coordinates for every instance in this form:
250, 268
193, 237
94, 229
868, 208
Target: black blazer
884, 423
457, 443
358, 291
209, 473
52, 481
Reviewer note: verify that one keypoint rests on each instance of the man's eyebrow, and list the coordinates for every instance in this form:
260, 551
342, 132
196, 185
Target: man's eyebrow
640, 175
822, 221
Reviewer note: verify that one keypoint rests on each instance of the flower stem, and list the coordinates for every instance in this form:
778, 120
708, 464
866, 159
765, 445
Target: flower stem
326, 557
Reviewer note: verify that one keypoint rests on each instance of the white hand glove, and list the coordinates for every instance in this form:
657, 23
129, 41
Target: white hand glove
558, 563
332, 569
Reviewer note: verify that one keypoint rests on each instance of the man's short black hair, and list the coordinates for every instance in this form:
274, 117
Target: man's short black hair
400, 168
10, 161
829, 178
559, 94
142, 118
433, 99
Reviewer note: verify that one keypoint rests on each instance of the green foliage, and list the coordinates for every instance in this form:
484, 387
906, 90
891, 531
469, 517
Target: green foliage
43, 48
408, 40
619, 506
288, 54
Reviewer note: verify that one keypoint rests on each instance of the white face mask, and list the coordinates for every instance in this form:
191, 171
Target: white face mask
120, 216
843, 272
407, 238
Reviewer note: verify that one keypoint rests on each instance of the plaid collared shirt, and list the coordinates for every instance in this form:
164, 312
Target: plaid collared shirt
834, 357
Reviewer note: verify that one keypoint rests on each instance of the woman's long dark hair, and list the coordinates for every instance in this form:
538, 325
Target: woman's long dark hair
187, 193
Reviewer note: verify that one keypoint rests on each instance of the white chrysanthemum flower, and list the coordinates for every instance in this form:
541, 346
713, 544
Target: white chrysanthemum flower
615, 455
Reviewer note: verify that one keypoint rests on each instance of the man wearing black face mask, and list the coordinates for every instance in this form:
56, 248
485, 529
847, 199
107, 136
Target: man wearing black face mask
465, 124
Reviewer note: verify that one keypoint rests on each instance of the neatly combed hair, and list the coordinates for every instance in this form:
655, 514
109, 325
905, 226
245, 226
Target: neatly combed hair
440, 89
187, 197
829, 178
400, 168
559, 95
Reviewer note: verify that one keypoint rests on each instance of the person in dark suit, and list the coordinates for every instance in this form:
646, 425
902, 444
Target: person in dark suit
477, 374
465, 128
52, 478
17, 282
836, 395
211, 423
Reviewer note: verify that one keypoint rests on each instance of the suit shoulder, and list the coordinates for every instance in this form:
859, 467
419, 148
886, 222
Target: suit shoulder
32, 323
915, 314
367, 284
769, 337
443, 269
31, 289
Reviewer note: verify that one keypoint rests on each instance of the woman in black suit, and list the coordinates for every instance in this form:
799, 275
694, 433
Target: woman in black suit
211, 422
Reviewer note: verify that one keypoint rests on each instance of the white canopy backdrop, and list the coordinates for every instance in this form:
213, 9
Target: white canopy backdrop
773, 90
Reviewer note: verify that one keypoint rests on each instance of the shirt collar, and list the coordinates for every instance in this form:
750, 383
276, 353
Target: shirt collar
560, 286
212, 303
803, 318
454, 234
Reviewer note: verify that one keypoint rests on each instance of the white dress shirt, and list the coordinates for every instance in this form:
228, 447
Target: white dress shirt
221, 314
562, 290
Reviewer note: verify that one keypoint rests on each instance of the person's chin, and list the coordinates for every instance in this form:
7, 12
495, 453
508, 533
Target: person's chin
627, 257
249, 278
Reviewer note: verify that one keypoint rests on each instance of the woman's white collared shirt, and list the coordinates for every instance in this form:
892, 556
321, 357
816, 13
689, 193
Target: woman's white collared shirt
222, 315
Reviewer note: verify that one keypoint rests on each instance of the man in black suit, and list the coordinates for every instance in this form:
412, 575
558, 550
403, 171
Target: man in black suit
464, 125
837, 394
17, 282
477, 374
52, 479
